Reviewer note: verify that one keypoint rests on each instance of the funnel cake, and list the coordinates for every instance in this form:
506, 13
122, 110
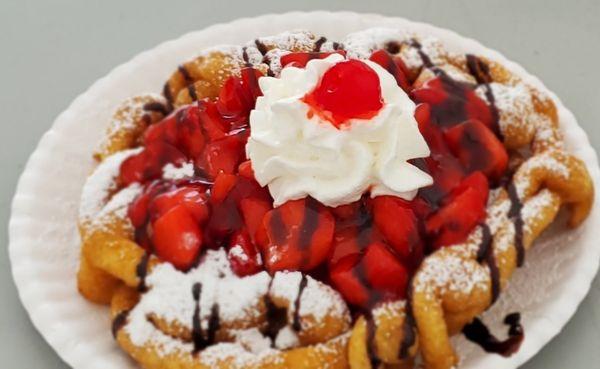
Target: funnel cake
181, 238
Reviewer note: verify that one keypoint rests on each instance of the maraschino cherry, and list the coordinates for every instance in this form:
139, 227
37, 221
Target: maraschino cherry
348, 90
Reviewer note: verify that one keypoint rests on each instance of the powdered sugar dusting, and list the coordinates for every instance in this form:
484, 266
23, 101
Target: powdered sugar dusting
170, 299
317, 299
128, 115
286, 338
101, 184
170, 171
546, 162
297, 40
388, 310
362, 44
535, 208
320, 301
497, 210
449, 273
515, 106
253, 340
117, 208
170, 295
430, 46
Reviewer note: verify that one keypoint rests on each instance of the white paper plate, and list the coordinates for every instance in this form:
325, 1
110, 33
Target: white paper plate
44, 244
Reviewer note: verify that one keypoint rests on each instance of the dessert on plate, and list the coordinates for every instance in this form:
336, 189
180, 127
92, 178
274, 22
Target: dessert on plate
298, 202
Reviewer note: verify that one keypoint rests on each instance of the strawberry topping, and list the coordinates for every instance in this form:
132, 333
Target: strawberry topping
372, 277
297, 235
463, 210
477, 148
368, 249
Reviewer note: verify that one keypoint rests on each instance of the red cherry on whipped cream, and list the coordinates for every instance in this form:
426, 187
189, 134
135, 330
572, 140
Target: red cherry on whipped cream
348, 90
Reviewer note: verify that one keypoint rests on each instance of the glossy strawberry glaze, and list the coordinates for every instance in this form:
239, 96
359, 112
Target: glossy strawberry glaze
367, 250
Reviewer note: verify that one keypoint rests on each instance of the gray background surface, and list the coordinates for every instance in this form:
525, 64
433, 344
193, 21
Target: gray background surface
51, 51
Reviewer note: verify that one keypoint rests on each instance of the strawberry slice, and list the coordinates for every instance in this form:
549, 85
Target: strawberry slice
243, 256
384, 272
365, 280
253, 211
354, 230
213, 125
238, 97
478, 148
395, 66
463, 210
251, 89
149, 163
398, 224
445, 169
245, 170
232, 102
138, 209
224, 155
352, 240
346, 281
300, 59
452, 102
348, 211
194, 199
177, 238
190, 135
165, 130
236, 201
298, 235
222, 186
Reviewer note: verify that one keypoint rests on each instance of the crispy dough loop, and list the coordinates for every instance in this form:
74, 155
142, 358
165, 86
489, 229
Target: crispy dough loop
564, 175
129, 121
201, 78
388, 323
109, 246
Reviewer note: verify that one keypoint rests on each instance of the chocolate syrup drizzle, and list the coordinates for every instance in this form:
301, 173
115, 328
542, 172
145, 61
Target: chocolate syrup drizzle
296, 324
156, 107
185, 74
515, 214
168, 95
392, 47
262, 48
245, 57
276, 316
309, 225
481, 71
198, 338
141, 272
485, 253
478, 333
424, 57
319, 43
371, 347
192, 92
408, 327
119, 322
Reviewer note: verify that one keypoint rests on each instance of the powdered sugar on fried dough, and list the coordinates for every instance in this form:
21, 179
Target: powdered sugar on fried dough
101, 185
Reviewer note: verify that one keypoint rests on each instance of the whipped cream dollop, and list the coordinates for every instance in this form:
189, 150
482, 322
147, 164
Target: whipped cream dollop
297, 154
